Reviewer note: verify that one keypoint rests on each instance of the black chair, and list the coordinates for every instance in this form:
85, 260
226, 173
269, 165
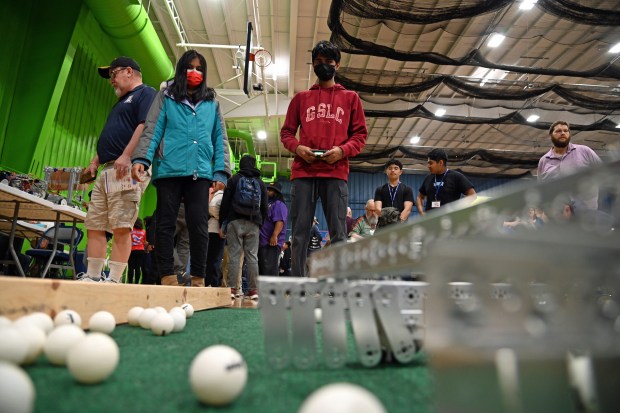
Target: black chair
68, 238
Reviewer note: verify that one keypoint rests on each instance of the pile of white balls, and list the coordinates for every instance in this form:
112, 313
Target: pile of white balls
217, 375
90, 357
160, 321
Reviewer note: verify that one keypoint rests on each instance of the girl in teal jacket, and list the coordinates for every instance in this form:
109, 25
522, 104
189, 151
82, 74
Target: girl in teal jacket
184, 141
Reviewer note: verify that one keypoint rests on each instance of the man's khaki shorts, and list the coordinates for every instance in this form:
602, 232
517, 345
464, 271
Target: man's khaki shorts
110, 211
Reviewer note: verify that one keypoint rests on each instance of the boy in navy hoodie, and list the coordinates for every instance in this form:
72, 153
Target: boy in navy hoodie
332, 128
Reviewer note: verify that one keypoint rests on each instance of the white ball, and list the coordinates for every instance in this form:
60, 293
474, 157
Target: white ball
102, 322
26, 321
160, 309
318, 315
13, 345
162, 324
133, 316
189, 309
93, 358
179, 320
146, 316
179, 310
342, 398
218, 375
5, 321
16, 389
68, 317
43, 320
36, 340
59, 341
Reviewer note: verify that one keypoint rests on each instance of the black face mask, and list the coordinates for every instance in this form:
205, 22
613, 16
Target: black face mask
325, 72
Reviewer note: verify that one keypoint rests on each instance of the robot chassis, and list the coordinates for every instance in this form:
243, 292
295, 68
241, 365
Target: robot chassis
539, 293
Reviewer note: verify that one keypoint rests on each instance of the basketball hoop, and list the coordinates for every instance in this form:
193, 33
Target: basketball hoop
262, 58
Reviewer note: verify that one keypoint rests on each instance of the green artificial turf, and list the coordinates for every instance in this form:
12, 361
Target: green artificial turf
152, 375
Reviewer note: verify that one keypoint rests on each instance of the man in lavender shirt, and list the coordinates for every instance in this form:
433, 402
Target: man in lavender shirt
272, 232
565, 158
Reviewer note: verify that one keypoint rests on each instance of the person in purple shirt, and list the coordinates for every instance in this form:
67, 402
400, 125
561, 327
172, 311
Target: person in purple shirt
565, 158
272, 232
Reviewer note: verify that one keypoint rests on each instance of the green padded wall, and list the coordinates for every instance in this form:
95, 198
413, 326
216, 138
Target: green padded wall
53, 104
35, 39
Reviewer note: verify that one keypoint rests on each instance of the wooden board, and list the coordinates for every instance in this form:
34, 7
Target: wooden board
21, 296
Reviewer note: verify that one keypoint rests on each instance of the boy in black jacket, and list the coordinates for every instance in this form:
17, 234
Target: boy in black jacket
241, 223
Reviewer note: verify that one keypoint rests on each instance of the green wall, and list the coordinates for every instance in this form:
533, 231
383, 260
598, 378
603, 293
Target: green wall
35, 38
53, 104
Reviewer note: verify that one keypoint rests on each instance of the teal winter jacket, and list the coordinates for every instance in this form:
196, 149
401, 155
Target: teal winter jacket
180, 139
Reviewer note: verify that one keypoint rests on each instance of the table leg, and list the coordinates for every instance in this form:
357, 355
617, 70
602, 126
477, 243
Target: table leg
71, 250
54, 247
18, 264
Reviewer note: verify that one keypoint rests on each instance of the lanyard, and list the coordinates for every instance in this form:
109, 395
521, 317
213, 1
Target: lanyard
439, 185
393, 194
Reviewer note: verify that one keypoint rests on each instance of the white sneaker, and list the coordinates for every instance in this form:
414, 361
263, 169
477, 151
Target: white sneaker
85, 278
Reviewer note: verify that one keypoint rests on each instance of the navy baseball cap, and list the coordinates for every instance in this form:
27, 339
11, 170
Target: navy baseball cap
121, 61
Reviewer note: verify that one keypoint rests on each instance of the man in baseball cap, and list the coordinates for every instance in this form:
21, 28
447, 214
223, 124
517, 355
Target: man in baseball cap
121, 62
108, 210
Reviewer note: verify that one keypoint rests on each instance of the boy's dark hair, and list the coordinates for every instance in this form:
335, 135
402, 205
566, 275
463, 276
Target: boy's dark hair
393, 162
138, 224
178, 89
327, 49
438, 155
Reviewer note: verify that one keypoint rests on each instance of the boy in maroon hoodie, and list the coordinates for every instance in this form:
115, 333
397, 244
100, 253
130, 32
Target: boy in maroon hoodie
332, 128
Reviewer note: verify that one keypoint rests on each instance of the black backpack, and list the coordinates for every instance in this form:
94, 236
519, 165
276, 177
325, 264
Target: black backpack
247, 196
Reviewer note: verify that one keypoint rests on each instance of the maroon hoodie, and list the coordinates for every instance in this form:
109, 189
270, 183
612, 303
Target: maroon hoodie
326, 117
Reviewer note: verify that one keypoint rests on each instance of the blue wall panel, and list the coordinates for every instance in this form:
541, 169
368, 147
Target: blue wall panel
362, 188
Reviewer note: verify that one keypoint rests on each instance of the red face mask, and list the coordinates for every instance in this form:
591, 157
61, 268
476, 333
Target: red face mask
194, 78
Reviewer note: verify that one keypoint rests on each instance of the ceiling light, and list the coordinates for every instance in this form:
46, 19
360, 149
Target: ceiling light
533, 118
261, 134
414, 139
277, 70
527, 4
615, 48
440, 112
495, 40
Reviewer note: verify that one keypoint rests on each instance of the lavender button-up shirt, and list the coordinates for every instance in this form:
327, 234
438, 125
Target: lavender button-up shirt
552, 165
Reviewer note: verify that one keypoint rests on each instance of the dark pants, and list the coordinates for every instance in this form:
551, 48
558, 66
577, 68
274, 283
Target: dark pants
214, 260
268, 260
195, 194
136, 266
285, 263
150, 274
334, 195
181, 245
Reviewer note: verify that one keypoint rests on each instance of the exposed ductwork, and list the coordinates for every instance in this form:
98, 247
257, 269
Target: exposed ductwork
129, 27
245, 136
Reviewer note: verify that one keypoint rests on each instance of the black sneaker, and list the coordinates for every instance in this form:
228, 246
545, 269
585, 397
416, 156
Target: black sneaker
184, 279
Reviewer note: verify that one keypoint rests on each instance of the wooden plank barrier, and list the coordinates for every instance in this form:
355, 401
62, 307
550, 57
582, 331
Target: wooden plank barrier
22, 296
